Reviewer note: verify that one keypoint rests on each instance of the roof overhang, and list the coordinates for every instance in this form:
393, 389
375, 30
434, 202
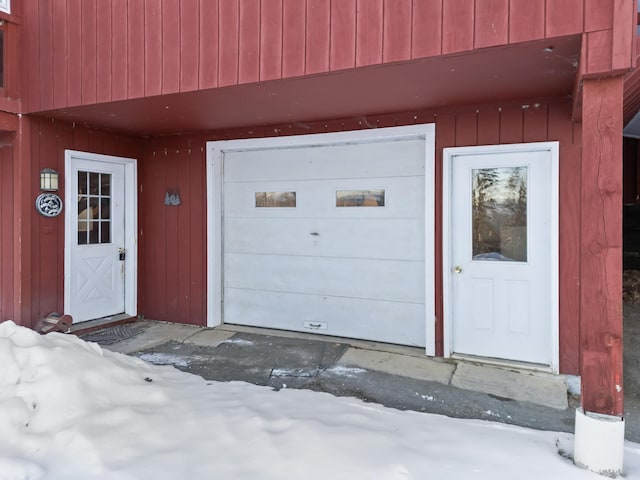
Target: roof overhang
540, 69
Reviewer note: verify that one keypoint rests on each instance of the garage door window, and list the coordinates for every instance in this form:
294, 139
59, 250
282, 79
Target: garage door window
360, 198
276, 199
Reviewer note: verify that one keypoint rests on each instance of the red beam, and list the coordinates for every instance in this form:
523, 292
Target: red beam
23, 212
601, 252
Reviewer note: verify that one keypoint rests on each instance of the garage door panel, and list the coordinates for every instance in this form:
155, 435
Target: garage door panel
378, 320
404, 198
354, 271
393, 280
399, 239
376, 159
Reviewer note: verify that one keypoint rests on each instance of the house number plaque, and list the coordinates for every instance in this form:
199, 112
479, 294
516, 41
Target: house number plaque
49, 204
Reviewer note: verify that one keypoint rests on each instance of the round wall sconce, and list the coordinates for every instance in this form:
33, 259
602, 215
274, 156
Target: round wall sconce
48, 180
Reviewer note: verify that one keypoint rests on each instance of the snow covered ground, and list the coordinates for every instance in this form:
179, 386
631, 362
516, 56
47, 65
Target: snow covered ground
70, 410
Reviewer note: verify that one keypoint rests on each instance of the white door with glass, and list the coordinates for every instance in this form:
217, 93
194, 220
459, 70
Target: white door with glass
501, 252
96, 259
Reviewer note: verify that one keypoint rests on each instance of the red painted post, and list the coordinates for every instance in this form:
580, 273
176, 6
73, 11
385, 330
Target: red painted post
601, 249
23, 213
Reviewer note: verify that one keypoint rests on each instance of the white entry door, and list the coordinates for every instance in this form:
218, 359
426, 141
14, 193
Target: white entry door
501, 252
97, 246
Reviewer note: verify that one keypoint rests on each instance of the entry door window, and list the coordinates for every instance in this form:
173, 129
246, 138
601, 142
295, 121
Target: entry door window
499, 214
94, 208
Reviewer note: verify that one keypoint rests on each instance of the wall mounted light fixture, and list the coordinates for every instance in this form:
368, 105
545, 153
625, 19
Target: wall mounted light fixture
48, 180
49, 204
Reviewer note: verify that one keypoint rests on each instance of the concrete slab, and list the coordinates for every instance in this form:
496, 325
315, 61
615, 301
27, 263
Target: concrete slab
402, 378
396, 364
260, 359
154, 334
209, 337
547, 390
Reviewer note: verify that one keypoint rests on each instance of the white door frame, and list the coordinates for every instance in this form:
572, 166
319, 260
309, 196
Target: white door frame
130, 219
215, 158
447, 236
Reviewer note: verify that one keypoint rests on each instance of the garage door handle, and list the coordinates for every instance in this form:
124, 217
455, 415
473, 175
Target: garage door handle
315, 234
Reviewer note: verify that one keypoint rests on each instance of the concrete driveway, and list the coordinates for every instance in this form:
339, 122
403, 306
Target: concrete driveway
395, 376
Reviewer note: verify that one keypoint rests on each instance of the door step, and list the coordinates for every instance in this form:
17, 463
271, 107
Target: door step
89, 326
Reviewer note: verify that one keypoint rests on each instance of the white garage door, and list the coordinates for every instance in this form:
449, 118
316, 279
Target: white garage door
328, 238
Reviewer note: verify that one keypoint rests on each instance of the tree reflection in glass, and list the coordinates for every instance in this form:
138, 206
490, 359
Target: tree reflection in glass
499, 214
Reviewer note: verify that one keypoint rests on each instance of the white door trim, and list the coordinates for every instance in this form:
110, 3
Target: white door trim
131, 226
447, 235
215, 156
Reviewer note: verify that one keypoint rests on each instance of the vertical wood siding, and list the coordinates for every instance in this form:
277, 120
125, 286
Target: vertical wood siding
49, 140
82, 52
172, 238
6, 230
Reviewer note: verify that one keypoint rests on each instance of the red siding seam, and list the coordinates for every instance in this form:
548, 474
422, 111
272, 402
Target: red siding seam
384, 4
59, 47
208, 63
135, 50
474, 23
45, 60
330, 36
189, 45
441, 49
238, 47
154, 49
104, 53
171, 61
411, 28
282, 40
119, 47
508, 23
342, 39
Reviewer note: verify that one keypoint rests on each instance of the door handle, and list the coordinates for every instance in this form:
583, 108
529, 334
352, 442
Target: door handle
122, 254
457, 269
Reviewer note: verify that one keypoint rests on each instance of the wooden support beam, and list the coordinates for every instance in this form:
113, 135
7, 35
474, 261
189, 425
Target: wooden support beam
23, 212
601, 246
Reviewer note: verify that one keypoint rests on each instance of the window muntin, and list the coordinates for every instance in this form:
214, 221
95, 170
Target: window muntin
94, 208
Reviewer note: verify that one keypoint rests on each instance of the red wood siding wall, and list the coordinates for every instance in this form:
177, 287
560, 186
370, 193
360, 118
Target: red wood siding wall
48, 143
6, 228
172, 268
87, 51
172, 241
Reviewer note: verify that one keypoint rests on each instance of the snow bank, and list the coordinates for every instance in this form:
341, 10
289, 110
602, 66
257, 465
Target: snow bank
70, 410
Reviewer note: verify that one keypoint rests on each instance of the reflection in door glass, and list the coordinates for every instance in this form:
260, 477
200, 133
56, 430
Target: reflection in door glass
499, 214
94, 208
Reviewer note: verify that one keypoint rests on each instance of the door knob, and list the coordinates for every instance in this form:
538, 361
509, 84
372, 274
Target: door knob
457, 269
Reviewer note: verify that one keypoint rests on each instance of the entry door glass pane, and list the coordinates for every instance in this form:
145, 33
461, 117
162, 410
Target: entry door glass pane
499, 214
94, 208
